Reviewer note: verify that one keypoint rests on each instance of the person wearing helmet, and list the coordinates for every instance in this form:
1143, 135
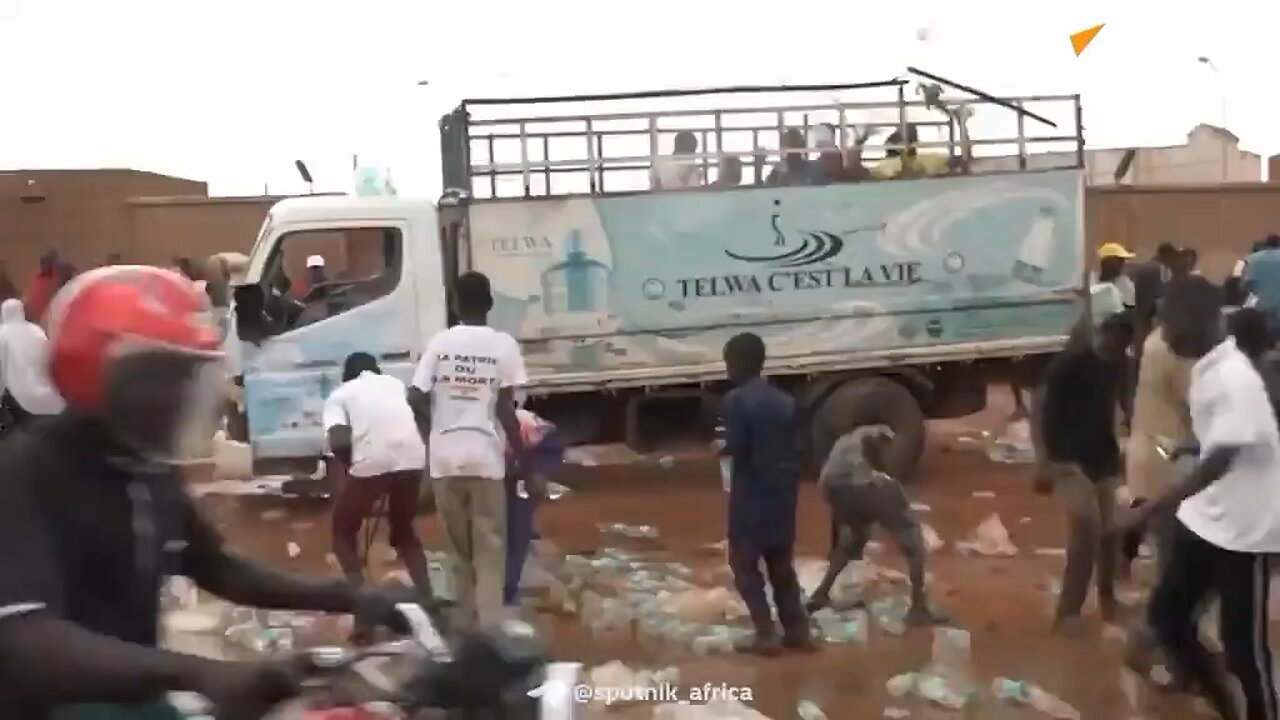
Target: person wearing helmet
94, 517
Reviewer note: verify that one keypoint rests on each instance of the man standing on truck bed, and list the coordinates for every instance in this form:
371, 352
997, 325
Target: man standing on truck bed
469, 373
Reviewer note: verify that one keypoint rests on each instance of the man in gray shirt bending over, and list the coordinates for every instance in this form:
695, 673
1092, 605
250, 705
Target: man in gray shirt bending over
862, 495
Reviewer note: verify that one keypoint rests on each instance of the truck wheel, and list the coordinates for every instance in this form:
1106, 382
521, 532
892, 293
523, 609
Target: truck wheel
872, 401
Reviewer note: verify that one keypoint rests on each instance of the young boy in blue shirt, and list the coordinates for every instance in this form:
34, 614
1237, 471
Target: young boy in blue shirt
544, 454
761, 437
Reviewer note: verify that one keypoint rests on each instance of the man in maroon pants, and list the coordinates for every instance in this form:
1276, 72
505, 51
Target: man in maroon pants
375, 439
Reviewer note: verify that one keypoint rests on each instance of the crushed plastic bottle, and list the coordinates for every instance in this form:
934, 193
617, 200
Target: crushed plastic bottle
851, 627
890, 614
949, 679
718, 640
1007, 690
952, 652
1024, 693
941, 691
900, 686
440, 570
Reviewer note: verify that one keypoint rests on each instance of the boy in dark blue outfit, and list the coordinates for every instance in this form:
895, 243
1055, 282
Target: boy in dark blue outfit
761, 438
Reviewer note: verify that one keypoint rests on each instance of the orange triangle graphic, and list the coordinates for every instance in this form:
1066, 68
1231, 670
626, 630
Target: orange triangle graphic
1081, 40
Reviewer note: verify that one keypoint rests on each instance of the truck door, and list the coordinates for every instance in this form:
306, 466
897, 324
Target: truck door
362, 299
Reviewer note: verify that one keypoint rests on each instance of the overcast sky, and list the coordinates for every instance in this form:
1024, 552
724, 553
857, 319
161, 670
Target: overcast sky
233, 91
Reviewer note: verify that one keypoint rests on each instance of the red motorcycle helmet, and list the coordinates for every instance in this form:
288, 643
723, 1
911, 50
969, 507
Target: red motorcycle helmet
136, 348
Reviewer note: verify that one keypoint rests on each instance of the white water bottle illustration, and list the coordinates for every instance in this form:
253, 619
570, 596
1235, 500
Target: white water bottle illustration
1035, 254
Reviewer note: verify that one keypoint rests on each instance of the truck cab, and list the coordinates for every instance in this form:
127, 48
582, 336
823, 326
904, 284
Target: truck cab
891, 286
379, 291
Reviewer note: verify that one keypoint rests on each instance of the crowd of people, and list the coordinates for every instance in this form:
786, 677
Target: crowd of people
1187, 364
25, 389
94, 516
815, 158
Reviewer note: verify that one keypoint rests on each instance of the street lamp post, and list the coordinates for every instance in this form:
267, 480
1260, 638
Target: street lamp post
1222, 97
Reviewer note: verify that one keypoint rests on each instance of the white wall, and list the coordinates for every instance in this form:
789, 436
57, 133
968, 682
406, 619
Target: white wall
1211, 155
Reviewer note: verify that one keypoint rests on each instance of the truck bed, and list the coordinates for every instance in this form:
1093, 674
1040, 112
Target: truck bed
634, 290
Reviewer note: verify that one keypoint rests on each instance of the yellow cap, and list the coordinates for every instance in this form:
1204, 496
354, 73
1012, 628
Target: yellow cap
1116, 250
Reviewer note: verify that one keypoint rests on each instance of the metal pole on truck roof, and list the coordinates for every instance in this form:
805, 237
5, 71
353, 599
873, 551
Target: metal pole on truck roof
979, 94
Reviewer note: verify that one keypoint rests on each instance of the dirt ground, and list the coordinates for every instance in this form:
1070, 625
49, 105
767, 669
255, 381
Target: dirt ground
1004, 602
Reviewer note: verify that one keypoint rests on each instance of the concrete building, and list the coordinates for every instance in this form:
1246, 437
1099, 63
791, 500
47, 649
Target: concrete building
1210, 155
87, 215
83, 214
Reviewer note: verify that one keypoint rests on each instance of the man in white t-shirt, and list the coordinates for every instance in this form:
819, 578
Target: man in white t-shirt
465, 387
375, 439
681, 170
1228, 516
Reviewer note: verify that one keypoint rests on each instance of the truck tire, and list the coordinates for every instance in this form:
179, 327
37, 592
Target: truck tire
872, 401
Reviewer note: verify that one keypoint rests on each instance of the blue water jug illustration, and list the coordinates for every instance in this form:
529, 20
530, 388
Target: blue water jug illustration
578, 287
578, 284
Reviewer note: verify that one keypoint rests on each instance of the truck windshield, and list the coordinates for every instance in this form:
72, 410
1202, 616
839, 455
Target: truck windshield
723, 138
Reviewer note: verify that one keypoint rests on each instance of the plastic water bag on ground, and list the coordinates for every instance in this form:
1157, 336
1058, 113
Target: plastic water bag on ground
809, 710
850, 587
632, 532
1013, 445
990, 538
932, 541
948, 680
704, 605
842, 627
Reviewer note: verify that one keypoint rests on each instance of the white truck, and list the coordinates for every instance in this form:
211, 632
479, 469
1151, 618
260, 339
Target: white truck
879, 300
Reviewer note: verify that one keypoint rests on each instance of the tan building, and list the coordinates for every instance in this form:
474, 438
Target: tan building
1210, 155
88, 215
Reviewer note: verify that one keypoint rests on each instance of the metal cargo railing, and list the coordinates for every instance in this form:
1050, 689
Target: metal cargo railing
608, 144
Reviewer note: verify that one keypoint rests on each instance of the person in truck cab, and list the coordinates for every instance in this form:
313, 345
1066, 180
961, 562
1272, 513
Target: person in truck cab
94, 517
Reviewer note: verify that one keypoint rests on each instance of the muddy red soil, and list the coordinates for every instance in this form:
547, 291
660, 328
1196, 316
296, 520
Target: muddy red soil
1004, 603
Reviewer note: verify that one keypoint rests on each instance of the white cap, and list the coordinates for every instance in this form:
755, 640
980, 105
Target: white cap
315, 261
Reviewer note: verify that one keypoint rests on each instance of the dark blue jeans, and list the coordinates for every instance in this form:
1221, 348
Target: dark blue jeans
544, 461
